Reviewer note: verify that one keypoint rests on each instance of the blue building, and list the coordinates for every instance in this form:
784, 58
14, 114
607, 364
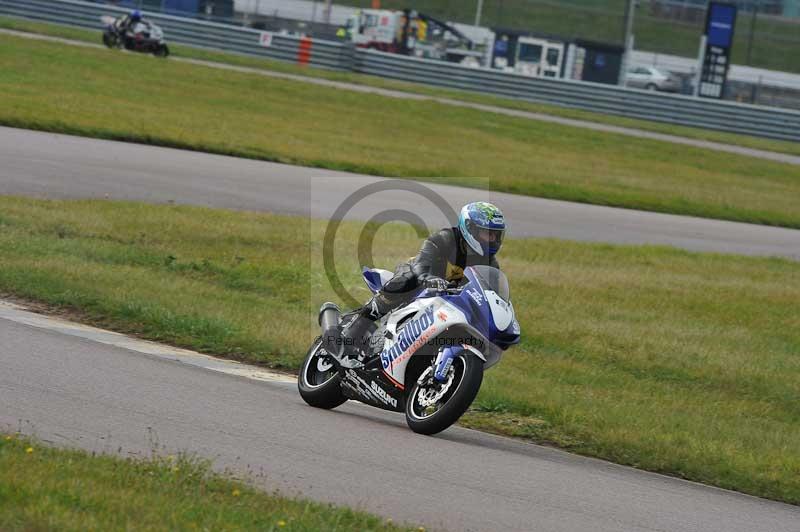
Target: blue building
209, 8
789, 8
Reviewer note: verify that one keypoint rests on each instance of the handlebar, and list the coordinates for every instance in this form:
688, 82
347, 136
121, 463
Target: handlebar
451, 290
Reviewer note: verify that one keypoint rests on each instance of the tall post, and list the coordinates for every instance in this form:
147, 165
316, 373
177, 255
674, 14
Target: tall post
627, 40
750, 38
698, 75
478, 13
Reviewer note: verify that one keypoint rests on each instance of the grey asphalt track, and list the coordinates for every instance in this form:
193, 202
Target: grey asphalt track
73, 391
48, 165
77, 392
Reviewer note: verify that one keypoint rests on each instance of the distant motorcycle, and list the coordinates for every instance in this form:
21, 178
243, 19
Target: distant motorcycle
143, 36
425, 359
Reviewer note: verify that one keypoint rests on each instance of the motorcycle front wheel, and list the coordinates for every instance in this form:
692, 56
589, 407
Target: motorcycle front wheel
319, 382
161, 51
433, 406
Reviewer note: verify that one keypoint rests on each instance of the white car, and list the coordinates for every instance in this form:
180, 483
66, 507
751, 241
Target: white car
653, 79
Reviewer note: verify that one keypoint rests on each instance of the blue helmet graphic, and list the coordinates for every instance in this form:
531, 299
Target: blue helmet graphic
482, 225
136, 15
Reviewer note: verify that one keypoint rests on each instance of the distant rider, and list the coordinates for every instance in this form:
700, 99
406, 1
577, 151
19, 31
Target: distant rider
441, 261
129, 21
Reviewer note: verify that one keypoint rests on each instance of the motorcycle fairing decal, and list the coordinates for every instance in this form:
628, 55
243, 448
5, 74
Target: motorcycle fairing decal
385, 397
485, 322
412, 337
476, 296
401, 386
453, 316
502, 312
375, 278
362, 387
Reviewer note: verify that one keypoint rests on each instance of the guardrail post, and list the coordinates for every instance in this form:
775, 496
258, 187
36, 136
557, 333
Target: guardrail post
347, 56
304, 51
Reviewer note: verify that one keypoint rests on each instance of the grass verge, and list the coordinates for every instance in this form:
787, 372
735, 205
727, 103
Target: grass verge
682, 363
80, 91
792, 148
42, 488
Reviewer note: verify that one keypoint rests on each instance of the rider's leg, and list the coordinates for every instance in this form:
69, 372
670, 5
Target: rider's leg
372, 311
393, 294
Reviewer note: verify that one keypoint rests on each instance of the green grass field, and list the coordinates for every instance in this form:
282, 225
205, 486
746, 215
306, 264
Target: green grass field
677, 362
74, 90
42, 488
373, 81
776, 44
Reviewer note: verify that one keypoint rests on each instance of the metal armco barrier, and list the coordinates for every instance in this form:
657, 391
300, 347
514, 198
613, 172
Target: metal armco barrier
184, 30
675, 109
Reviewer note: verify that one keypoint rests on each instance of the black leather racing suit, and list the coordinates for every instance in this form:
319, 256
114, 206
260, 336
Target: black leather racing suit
126, 24
444, 254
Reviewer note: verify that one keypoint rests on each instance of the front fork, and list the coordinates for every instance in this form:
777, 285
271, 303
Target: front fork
444, 360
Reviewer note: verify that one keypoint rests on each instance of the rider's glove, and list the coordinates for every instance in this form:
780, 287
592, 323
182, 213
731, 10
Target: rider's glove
436, 283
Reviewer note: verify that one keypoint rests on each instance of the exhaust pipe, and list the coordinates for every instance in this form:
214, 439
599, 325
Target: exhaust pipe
329, 319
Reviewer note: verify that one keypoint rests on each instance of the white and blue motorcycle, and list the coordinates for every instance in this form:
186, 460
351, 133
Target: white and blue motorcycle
425, 359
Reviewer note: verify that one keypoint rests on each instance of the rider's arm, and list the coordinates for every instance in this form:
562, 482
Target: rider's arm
432, 258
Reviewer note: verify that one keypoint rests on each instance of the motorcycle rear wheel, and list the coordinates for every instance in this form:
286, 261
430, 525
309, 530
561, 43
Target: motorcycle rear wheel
319, 382
110, 40
448, 401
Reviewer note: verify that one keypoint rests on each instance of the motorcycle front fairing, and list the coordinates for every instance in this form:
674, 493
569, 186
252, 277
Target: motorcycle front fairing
480, 318
486, 302
156, 33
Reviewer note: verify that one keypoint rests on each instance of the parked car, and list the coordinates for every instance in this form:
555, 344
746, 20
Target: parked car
653, 79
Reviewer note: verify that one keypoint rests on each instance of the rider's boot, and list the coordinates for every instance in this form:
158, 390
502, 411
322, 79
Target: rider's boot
353, 334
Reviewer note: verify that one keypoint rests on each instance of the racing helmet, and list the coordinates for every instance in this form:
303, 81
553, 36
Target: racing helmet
482, 226
136, 15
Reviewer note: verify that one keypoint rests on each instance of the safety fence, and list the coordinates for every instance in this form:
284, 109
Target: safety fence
675, 109
189, 31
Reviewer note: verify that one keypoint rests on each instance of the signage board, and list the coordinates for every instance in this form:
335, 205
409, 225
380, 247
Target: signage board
720, 23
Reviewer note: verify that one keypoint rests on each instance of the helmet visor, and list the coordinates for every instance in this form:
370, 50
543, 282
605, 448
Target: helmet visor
490, 239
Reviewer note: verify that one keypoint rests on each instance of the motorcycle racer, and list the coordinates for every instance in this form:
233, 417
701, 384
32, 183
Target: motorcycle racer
440, 262
127, 22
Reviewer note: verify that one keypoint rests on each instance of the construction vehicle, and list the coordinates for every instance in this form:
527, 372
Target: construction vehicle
410, 32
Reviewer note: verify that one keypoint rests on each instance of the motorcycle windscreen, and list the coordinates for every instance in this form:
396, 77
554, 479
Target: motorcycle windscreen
493, 314
494, 280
